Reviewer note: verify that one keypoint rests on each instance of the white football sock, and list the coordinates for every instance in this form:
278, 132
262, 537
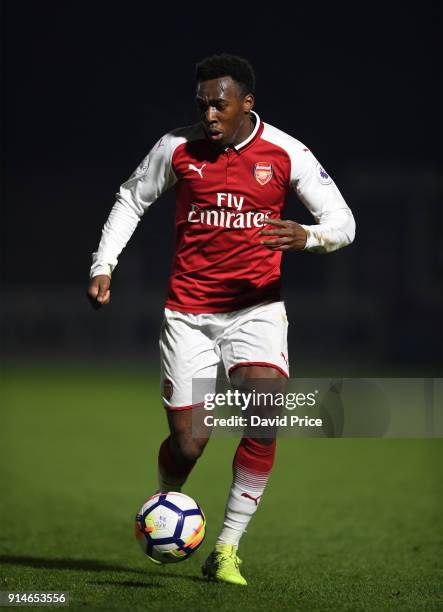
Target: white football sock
243, 500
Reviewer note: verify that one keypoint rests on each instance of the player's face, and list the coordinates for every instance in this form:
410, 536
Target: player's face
224, 111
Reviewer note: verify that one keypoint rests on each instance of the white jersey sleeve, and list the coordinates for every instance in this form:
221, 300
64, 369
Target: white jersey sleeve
153, 177
335, 225
314, 187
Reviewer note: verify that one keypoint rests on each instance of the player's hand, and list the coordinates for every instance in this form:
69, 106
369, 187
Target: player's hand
99, 293
286, 236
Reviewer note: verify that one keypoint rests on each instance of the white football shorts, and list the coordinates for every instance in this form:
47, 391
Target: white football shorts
212, 345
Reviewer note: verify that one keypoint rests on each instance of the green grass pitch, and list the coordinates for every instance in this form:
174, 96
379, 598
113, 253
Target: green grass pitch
344, 524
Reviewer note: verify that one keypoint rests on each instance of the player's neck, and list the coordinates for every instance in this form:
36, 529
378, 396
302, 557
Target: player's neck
245, 131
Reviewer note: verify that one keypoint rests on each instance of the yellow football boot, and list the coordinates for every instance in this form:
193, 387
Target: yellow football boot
223, 565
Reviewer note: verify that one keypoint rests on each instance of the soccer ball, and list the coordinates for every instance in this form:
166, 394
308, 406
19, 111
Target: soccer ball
170, 527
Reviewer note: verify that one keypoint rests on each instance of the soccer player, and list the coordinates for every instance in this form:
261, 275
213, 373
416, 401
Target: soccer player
232, 173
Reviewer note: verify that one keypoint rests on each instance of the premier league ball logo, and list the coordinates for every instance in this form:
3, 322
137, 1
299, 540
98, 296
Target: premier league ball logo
323, 176
263, 172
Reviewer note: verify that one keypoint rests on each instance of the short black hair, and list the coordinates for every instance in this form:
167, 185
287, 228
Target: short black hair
217, 66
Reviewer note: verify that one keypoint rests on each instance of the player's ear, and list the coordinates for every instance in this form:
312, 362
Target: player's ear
248, 103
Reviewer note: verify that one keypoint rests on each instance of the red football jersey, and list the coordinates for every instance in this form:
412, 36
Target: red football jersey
223, 200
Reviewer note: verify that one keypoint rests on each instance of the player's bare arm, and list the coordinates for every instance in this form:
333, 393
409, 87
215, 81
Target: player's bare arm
99, 292
289, 236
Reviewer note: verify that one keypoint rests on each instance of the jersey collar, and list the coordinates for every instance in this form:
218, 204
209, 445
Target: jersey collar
258, 128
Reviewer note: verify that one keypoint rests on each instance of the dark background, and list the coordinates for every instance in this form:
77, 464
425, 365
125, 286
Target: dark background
89, 87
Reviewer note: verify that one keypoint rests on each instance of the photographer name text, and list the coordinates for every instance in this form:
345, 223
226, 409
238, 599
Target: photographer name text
256, 421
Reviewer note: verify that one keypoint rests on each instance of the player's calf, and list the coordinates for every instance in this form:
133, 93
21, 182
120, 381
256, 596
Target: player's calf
185, 449
177, 456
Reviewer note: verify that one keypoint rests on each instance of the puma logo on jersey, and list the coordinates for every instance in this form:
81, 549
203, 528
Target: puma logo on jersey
199, 170
250, 497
